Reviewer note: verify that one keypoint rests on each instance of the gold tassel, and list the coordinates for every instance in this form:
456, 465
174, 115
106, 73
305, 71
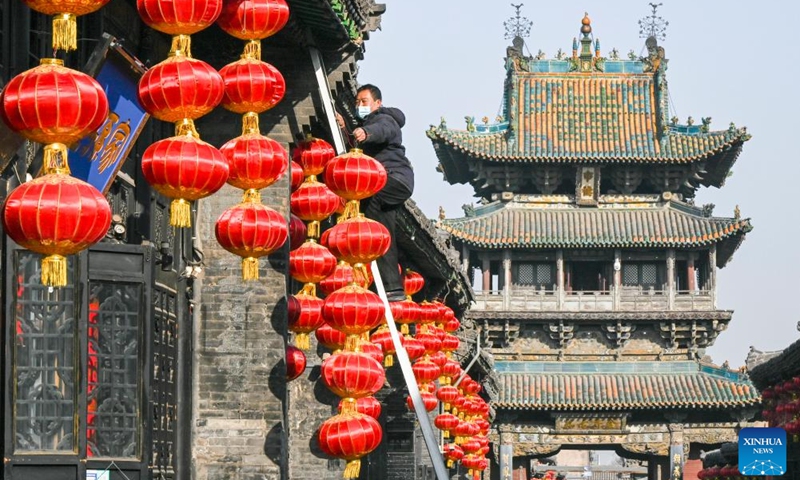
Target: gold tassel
360, 275
353, 468
54, 159
54, 271
251, 195
249, 268
181, 46
404, 329
252, 49
302, 341
351, 343
186, 127
309, 289
447, 406
312, 230
349, 406
351, 210
450, 463
180, 213
388, 361
65, 32
446, 433
250, 123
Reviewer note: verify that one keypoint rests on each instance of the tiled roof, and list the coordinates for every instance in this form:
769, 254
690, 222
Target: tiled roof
696, 387
669, 225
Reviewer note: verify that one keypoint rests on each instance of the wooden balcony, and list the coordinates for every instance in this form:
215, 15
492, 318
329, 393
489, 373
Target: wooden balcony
624, 299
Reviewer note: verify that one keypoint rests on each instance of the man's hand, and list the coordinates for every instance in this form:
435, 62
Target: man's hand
339, 120
359, 134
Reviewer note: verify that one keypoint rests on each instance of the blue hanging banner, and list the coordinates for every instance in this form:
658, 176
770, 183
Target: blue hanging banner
97, 158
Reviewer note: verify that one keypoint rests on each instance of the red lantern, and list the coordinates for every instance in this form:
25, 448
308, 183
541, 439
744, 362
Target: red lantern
470, 386
464, 431
254, 161
429, 313
341, 277
453, 453
452, 369
295, 362
412, 282
470, 445
354, 176
297, 232
383, 337
185, 169
253, 19
250, 85
352, 374
446, 422
56, 215
64, 22
180, 88
483, 425
350, 436
353, 310
405, 313
471, 462
251, 230
371, 349
428, 399
414, 348
450, 344
330, 338
425, 371
430, 341
358, 241
366, 405
179, 17
305, 316
310, 263
447, 394
451, 325
54, 104
297, 175
313, 202
313, 154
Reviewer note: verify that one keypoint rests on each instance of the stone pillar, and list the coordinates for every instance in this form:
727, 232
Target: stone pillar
506, 456
671, 278
690, 273
465, 261
507, 278
560, 277
676, 454
712, 274
487, 275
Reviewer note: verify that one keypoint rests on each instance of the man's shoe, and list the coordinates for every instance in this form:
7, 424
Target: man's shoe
396, 296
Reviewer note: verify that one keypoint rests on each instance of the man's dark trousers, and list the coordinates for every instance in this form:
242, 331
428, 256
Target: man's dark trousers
382, 207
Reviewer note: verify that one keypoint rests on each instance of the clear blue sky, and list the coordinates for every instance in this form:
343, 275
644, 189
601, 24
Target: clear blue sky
732, 60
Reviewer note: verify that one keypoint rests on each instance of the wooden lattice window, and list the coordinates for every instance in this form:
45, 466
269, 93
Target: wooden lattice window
645, 275
534, 274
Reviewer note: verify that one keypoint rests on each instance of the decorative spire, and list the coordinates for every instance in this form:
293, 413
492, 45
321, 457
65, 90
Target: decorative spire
517, 26
653, 26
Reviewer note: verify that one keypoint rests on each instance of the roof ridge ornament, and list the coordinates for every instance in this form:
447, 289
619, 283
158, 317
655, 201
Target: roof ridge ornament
654, 25
517, 26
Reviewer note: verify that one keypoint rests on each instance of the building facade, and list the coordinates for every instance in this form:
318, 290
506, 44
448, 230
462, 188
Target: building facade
595, 273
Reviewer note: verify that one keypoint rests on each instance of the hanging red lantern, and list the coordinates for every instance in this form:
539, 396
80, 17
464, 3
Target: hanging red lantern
470, 386
254, 161
330, 338
428, 399
412, 282
451, 325
430, 341
446, 422
425, 371
371, 349
354, 176
185, 169
451, 369
297, 175
405, 313
447, 394
179, 17
341, 277
52, 104
250, 85
297, 232
295, 362
305, 316
353, 310
309, 264
428, 313
471, 463
313, 154
352, 374
358, 241
470, 445
414, 348
366, 405
180, 87
253, 20
65, 29
383, 337
453, 453
350, 436
483, 425
450, 344
251, 230
56, 215
464, 432
313, 202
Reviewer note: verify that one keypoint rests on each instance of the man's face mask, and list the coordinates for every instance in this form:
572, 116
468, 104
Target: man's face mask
362, 111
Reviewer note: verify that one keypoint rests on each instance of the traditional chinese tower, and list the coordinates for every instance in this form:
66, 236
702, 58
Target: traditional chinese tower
595, 273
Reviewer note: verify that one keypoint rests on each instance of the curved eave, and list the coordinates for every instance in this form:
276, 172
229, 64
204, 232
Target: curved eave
711, 405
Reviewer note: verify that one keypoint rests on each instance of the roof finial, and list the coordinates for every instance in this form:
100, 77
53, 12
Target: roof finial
586, 24
518, 26
654, 25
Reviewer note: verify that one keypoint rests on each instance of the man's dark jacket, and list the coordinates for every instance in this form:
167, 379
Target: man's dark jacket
384, 142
